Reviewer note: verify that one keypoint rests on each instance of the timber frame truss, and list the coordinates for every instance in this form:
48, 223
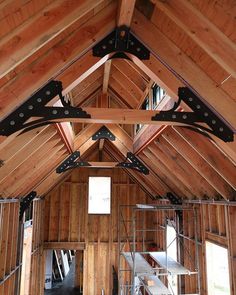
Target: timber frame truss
39, 110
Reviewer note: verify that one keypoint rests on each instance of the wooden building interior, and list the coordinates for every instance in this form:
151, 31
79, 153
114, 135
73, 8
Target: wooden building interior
191, 45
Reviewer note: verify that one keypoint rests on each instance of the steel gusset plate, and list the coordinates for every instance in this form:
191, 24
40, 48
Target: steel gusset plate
133, 163
35, 109
104, 133
25, 203
201, 113
70, 163
121, 41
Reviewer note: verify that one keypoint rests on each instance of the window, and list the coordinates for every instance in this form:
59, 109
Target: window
172, 252
145, 105
157, 95
99, 195
217, 270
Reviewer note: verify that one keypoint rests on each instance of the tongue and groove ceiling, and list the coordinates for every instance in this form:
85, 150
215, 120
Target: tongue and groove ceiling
191, 43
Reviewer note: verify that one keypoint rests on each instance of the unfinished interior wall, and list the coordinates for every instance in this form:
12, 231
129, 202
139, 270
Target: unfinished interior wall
9, 255
37, 253
67, 220
216, 224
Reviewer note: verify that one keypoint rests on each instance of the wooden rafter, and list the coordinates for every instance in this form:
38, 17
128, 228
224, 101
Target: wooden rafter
107, 70
47, 24
125, 12
203, 32
34, 76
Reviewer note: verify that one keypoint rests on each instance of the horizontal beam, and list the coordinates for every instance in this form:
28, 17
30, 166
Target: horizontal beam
103, 164
120, 116
64, 245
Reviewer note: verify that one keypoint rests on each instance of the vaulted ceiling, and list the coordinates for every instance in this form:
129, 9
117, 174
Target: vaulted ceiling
191, 43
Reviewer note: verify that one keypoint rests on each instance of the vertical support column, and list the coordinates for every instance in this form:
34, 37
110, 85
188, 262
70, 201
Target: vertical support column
19, 255
197, 251
180, 248
79, 258
231, 235
48, 269
133, 251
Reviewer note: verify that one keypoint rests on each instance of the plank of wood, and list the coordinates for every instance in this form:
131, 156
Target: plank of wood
4, 239
119, 116
131, 74
211, 154
203, 32
124, 95
25, 152
21, 172
166, 175
39, 30
199, 164
38, 73
42, 170
107, 70
125, 12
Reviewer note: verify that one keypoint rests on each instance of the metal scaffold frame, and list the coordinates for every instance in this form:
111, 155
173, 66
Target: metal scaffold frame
138, 268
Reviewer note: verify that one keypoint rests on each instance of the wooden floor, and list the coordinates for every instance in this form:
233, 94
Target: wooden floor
67, 286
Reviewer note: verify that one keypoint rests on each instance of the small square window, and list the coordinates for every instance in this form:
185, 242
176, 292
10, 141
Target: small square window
99, 198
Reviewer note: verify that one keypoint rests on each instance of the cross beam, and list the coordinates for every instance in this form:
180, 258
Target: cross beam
35, 112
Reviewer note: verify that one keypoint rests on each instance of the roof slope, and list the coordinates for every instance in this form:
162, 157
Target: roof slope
192, 43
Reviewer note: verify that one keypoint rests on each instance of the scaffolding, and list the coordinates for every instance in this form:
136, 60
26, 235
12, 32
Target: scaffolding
135, 273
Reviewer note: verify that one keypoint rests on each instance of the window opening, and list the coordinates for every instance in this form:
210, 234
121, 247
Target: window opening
217, 269
99, 195
172, 252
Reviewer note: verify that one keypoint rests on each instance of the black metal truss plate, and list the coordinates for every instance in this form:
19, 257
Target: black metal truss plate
25, 203
121, 40
104, 133
70, 163
173, 199
201, 114
35, 109
133, 163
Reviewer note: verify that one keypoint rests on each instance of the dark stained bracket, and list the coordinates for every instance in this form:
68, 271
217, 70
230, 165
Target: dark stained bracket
36, 109
133, 163
173, 199
201, 114
121, 41
25, 203
70, 163
104, 133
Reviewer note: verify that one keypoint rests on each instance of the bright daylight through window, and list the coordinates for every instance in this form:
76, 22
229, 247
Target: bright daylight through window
172, 253
99, 195
217, 270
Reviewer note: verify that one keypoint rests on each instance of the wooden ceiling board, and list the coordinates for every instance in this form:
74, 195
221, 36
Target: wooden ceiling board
14, 13
221, 14
189, 47
122, 79
36, 75
127, 70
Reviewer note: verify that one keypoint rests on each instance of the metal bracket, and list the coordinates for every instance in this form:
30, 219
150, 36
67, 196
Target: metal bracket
40, 114
201, 114
133, 163
121, 40
25, 203
173, 199
70, 163
104, 133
